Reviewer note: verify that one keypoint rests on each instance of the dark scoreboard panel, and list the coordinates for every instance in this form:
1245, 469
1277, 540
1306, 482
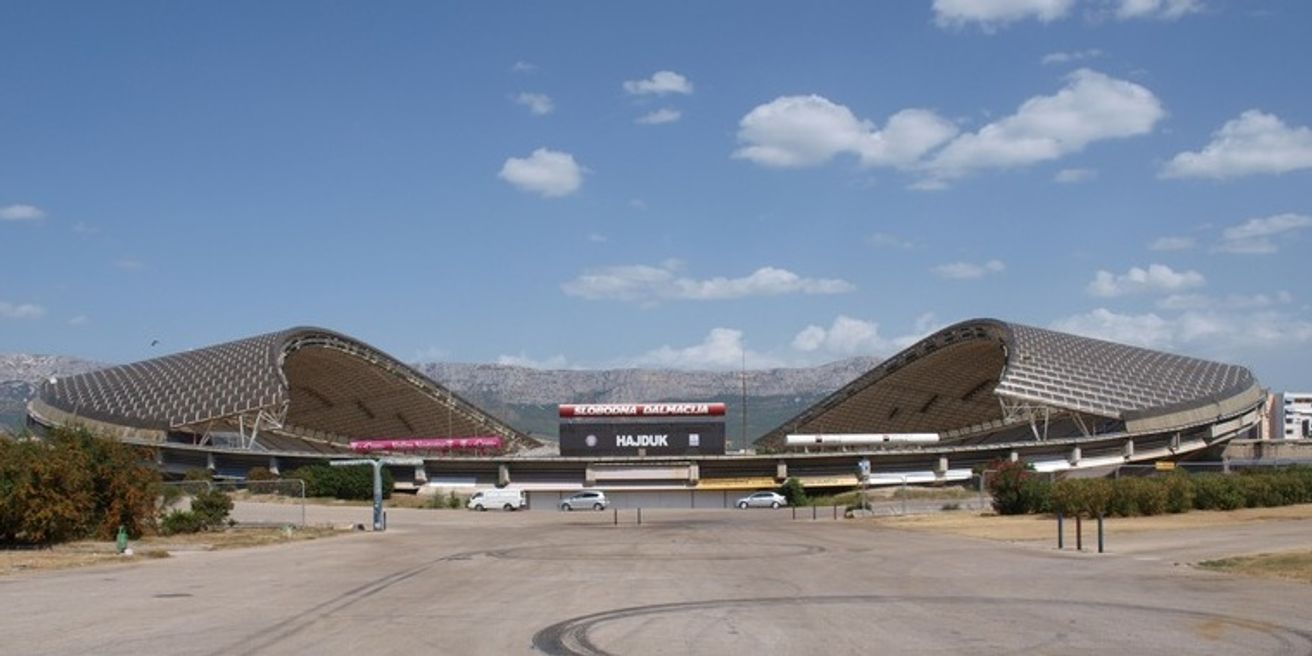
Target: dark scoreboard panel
632, 438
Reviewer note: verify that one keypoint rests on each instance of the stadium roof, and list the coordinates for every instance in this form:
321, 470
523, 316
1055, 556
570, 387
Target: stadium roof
983, 375
308, 382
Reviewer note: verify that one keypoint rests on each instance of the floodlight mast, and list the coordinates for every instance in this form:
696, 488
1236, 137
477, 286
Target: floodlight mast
377, 464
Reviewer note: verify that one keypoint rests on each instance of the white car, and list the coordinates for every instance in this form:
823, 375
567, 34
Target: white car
762, 500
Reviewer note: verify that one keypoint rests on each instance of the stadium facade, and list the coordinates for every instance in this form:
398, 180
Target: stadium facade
989, 389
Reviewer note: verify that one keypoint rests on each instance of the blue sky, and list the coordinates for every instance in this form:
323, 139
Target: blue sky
609, 184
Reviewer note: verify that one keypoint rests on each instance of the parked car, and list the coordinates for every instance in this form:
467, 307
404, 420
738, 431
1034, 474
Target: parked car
586, 499
762, 500
505, 499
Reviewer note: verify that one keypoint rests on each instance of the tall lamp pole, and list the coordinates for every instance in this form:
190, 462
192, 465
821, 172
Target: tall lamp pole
744, 376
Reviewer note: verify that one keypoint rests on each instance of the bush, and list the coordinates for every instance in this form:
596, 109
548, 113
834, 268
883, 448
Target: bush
197, 474
1213, 492
1015, 488
181, 521
453, 501
212, 507
794, 492
260, 474
1179, 493
352, 483
73, 485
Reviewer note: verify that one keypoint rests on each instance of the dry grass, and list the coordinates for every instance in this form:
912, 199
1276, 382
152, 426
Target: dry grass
13, 562
1018, 528
1294, 565
85, 554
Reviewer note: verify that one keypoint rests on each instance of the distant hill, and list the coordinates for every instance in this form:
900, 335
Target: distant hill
21, 374
527, 398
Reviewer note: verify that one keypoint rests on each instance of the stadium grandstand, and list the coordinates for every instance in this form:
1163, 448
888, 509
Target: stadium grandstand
986, 383
302, 390
950, 404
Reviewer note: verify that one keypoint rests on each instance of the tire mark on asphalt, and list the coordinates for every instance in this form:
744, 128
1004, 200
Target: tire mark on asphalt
572, 637
272, 635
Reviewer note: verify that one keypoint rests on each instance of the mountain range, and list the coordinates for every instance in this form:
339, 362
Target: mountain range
527, 398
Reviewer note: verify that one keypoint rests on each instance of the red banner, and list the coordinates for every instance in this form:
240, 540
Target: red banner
433, 443
584, 410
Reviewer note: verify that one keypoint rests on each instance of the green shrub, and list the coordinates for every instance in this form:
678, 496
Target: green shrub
260, 474
197, 474
213, 507
1216, 492
181, 521
794, 492
1179, 492
353, 483
453, 501
1088, 497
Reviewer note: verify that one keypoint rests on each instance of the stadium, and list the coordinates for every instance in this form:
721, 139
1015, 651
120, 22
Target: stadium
979, 390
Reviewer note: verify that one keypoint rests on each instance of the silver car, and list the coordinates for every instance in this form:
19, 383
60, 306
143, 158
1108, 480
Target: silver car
584, 500
762, 500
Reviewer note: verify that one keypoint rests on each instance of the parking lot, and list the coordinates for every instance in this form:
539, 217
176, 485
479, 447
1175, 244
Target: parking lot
685, 581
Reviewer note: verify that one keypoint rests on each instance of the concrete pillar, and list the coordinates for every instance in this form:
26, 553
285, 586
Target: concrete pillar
589, 477
273, 466
1074, 457
1014, 456
209, 463
694, 473
941, 469
781, 471
503, 474
1129, 449
421, 475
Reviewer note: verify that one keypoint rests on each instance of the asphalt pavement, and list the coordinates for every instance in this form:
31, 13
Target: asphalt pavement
684, 582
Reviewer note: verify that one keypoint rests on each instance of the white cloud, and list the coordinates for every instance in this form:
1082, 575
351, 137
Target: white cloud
1229, 302
522, 360
597, 238
1157, 278
1254, 236
1172, 244
885, 240
1254, 143
968, 270
1158, 9
722, 348
798, 131
547, 172
1073, 176
21, 310
1210, 331
524, 67
84, 229
660, 116
21, 212
848, 336
648, 284
660, 84
991, 14
1070, 57
1091, 107
539, 104
129, 264
79, 320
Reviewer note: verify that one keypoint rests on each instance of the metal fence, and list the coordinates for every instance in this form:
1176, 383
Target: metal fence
257, 503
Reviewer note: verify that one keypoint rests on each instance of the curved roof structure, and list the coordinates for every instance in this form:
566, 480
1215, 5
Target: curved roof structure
305, 381
983, 375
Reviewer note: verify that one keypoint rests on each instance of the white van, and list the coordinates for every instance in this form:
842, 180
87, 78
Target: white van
505, 499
